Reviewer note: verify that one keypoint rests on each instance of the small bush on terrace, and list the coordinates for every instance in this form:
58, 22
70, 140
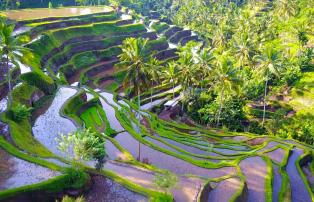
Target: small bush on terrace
84, 145
20, 112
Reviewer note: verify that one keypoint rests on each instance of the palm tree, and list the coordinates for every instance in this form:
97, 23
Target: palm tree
204, 60
153, 71
170, 75
243, 49
225, 80
134, 58
11, 50
186, 75
218, 38
301, 29
286, 8
269, 64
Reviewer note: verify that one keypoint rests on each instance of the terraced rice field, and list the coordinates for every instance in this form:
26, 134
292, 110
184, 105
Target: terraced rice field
210, 165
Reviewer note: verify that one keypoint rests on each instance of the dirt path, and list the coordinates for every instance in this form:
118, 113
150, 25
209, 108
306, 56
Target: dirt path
299, 192
224, 190
254, 169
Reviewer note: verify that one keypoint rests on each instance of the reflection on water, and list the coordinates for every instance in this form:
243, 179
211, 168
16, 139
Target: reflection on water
227, 151
255, 171
276, 182
21, 30
113, 152
298, 189
166, 161
150, 105
225, 190
126, 17
172, 45
16, 172
109, 98
24, 69
49, 125
3, 104
110, 111
190, 148
36, 39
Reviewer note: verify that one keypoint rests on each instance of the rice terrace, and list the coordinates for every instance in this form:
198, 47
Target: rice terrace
167, 100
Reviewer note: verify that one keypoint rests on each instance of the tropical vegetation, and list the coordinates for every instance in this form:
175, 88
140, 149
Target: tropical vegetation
140, 100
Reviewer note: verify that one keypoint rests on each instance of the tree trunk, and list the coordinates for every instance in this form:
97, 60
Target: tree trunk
172, 89
265, 94
182, 101
202, 83
151, 95
9, 83
139, 117
220, 107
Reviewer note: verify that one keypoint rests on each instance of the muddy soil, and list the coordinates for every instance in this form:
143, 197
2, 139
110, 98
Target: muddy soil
106, 190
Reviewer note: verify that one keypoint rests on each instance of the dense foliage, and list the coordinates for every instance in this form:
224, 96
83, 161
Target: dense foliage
271, 42
253, 51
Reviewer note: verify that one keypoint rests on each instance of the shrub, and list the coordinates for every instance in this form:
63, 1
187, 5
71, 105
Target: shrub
20, 112
232, 114
306, 60
299, 127
69, 199
256, 127
166, 181
84, 145
290, 75
76, 177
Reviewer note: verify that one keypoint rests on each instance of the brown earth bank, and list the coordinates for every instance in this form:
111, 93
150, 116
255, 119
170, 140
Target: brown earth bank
180, 35
89, 45
84, 43
187, 39
172, 31
256, 141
